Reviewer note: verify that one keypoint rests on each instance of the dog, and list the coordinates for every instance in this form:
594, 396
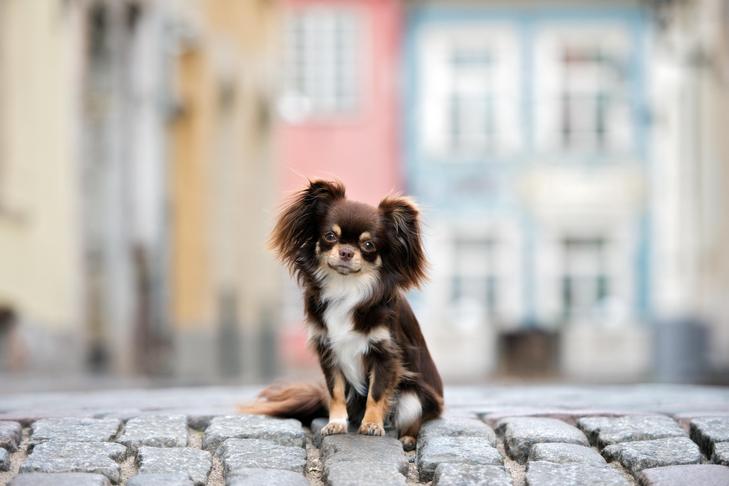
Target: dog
354, 263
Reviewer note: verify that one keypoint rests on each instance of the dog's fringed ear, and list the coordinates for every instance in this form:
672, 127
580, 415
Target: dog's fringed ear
405, 255
298, 225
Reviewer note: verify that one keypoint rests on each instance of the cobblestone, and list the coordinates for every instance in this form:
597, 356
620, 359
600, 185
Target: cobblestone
160, 479
155, 431
89, 457
639, 455
363, 454
238, 454
565, 454
9, 435
721, 453
4, 460
550, 474
521, 433
64, 438
318, 424
708, 431
61, 479
74, 430
194, 462
284, 432
456, 427
700, 474
604, 431
267, 477
362, 474
464, 450
470, 475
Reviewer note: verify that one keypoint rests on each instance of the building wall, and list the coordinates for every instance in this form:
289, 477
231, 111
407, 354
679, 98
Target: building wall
224, 289
357, 145
690, 76
530, 207
39, 193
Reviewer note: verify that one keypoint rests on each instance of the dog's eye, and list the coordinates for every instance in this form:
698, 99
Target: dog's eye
368, 246
330, 237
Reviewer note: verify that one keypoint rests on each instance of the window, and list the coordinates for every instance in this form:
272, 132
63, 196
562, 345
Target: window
469, 104
593, 91
472, 123
585, 284
475, 279
583, 103
323, 61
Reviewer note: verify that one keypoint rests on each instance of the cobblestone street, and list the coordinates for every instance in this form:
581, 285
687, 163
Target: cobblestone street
646, 435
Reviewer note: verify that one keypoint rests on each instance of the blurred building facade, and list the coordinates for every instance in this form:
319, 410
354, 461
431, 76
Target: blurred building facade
139, 184
40, 237
569, 157
527, 143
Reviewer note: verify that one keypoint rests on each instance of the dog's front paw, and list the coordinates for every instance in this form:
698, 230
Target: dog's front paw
408, 442
334, 428
371, 428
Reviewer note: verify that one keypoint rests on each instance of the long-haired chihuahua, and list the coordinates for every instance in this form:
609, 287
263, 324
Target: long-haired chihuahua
354, 263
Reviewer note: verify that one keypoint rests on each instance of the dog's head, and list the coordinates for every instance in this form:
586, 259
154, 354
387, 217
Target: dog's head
320, 231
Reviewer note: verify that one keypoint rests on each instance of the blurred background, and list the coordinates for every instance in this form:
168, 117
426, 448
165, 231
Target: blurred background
571, 159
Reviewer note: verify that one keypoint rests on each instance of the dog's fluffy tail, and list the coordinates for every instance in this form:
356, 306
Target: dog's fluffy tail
302, 401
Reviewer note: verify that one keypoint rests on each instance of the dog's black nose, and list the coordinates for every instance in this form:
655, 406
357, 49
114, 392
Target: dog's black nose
346, 253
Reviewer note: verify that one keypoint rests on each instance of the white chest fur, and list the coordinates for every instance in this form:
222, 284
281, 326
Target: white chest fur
342, 295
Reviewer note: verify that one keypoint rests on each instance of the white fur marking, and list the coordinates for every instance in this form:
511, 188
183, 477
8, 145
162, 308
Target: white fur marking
338, 420
343, 293
409, 410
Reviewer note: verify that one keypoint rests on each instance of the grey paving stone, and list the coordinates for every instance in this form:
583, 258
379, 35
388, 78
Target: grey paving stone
319, 423
240, 454
456, 427
267, 477
73, 429
10, 435
377, 452
160, 479
201, 421
287, 432
565, 454
362, 474
551, 474
521, 433
721, 453
155, 431
88, 457
699, 474
61, 479
604, 431
707, 431
464, 450
639, 455
4, 460
470, 475
194, 462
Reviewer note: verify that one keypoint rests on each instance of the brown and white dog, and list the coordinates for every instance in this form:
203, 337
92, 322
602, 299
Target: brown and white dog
354, 262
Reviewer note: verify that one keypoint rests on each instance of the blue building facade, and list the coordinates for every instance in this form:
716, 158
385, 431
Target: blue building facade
526, 143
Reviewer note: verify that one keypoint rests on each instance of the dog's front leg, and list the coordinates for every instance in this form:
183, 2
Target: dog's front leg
382, 380
337, 404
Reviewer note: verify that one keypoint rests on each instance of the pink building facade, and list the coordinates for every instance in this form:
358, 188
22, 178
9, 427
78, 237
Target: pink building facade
339, 104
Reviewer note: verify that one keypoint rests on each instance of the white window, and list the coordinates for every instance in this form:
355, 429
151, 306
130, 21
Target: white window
323, 50
585, 282
475, 280
469, 104
582, 94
